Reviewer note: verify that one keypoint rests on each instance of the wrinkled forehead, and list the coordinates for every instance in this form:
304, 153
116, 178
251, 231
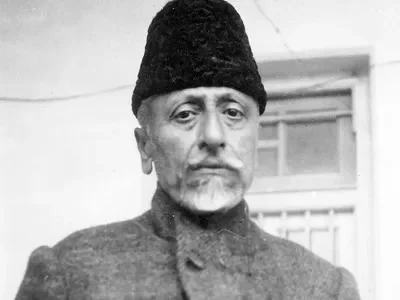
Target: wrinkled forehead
206, 95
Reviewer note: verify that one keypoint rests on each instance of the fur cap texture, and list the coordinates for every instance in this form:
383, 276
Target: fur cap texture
194, 43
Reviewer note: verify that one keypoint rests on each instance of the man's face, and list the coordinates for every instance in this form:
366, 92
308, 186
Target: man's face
203, 145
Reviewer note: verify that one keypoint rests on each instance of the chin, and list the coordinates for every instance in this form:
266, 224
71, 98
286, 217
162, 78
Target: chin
211, 195
205, 206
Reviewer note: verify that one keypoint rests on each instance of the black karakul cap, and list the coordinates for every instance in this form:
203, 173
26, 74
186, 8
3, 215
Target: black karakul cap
195, 43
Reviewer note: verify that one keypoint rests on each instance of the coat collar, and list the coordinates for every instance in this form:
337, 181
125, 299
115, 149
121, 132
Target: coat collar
230, 238
166, 213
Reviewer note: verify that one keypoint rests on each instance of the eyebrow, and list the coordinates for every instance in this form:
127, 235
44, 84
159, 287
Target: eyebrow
229, 97
222, 98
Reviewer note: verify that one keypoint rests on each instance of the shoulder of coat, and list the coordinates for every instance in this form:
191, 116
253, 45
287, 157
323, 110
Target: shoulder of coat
99, 238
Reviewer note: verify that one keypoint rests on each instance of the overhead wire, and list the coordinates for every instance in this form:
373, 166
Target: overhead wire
68, 97
293, 53
310, 88
274, 26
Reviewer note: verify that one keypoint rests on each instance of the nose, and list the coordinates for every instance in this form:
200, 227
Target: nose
212, 134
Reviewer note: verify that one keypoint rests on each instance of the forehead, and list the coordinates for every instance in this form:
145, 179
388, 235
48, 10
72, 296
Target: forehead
202, 94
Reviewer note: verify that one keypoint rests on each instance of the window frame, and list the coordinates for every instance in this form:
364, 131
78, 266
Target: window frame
329, 109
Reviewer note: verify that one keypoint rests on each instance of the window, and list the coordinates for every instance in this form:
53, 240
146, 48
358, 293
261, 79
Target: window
306, 142
328, 232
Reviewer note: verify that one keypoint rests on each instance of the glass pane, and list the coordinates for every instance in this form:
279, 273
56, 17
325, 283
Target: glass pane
267, 164
268, 132
312, 147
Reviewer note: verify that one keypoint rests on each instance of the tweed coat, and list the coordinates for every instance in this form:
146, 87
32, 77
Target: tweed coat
167, 253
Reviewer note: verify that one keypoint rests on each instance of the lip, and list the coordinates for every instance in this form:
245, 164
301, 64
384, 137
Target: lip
211, 170
209, 166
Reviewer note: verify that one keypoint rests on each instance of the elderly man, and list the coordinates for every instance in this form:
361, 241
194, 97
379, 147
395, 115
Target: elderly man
198, 98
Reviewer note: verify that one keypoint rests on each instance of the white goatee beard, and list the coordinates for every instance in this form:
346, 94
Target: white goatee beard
210, 194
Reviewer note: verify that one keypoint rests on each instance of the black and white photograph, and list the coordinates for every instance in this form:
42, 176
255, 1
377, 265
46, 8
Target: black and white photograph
199, 149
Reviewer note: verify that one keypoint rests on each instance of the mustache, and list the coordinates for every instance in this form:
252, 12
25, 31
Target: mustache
227, 161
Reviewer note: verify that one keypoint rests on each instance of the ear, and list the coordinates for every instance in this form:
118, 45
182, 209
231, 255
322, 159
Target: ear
143, 144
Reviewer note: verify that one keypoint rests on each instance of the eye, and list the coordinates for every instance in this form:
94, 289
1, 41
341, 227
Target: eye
234, 113
184, 116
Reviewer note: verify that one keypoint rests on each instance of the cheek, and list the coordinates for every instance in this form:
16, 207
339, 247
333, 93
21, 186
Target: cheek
247, 150
171, 151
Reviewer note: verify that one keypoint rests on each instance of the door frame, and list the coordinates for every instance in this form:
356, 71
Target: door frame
329, 72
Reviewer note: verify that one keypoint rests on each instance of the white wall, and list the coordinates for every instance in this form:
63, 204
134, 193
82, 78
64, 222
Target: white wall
71, 164
66, 165
386, 123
